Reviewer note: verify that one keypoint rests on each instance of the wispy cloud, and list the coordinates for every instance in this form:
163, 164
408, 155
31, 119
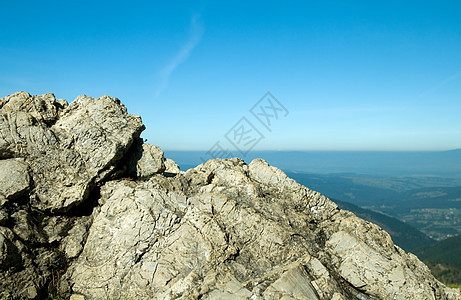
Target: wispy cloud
195, 35
439, 85
349, 110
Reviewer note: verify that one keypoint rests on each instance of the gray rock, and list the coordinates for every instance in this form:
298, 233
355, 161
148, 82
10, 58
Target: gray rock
227, 230
14, 178
22, 274
23, 122
72, 244
144, 160
69, 148
8, 251
43, 108
4, 217
52, 154
151, 161
26, 228
55, 228
292, 284
100, 131
171, 167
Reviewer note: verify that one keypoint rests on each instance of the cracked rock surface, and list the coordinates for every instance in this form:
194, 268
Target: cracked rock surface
69, 148
111, 218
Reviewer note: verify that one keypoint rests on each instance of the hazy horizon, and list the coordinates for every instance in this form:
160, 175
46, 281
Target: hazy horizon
385, 163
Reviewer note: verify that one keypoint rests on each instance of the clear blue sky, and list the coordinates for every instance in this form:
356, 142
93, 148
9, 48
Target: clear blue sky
354, 75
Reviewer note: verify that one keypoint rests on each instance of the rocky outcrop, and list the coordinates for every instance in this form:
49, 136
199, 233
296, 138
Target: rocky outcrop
110, 218
53, 156
69, 148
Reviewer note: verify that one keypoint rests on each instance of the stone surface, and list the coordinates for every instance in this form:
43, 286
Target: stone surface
14, 178
72, 244
52, 156
26, 228
171, 167
3, 217
292, 284
144, 160
8, 251
22, 273
88, 211
76, 297
68, 149
227, 230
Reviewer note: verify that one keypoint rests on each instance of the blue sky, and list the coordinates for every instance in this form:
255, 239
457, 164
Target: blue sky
354, 75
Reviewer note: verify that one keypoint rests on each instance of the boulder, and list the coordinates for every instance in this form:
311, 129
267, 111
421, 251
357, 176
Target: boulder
144, 160
53, 156
14, 178
171, 167
69, 148
8, 251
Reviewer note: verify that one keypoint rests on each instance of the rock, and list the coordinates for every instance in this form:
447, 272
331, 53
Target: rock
23, 122
100, 130
22, 274
8, 251
72, 244
144, 160
136, 222
171, 167
151, 161
55, 228
14, 178
26, 228
69, 149
227, 230
3, 217
292, 284
42, 108
52, 155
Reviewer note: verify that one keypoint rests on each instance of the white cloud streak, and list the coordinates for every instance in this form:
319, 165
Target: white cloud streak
195, 35
441, 84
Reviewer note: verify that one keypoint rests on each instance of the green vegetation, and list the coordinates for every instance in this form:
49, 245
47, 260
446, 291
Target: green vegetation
447, 252
456, 286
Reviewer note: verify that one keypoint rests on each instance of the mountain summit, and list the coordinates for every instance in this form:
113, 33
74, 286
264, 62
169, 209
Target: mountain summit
88, 211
